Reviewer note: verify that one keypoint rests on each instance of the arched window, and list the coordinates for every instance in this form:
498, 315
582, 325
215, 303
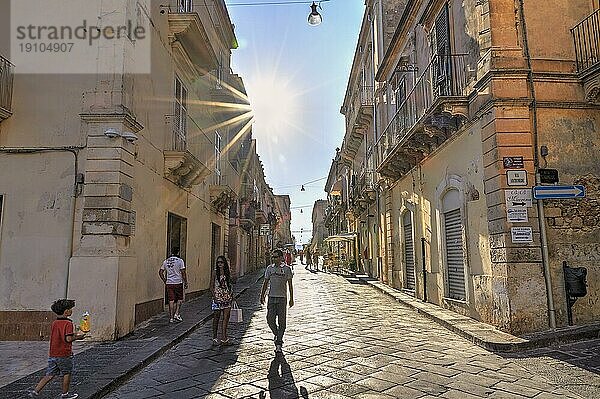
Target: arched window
453, 240
409, 250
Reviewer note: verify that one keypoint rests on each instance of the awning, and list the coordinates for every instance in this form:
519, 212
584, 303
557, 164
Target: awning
341, 237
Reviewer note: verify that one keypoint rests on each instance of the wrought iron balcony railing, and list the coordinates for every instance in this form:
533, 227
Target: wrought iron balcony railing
586, 36
6, 86
444, 77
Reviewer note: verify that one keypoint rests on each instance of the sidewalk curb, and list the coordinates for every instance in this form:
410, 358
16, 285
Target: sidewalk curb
485, 335
120, 379
112, 375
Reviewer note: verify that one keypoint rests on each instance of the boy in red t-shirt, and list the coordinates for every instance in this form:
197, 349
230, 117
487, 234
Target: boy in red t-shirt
60, 357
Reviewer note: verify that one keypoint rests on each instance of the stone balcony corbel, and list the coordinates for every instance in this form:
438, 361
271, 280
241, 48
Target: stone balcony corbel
184, 169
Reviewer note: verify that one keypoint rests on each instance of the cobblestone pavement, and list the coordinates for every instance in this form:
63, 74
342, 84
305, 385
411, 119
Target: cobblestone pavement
345, 341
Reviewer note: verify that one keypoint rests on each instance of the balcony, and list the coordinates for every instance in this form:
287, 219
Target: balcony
186, 27
248, 216
362, 193
182, 166
586, 37
433, 110
6, 87
261, 216
222, 195
359, 117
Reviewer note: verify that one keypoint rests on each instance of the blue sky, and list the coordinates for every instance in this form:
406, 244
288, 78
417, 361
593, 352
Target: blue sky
296, 77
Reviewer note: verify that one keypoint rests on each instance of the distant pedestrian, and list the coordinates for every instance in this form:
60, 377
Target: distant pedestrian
60, 356
308, 260
222, 296
172, 273
278, 278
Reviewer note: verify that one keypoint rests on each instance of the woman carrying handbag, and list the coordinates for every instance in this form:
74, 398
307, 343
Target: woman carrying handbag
222, 296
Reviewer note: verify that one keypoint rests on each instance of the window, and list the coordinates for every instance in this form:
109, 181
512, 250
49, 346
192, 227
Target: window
409, 250
442, 68
217, 158
180, 117
453, 243
185, 5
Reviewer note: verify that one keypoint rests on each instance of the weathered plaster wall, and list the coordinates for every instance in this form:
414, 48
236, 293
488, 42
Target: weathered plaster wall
420, 191
36, 228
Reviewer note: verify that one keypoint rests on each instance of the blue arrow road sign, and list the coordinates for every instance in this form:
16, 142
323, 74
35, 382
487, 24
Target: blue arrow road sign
557, 192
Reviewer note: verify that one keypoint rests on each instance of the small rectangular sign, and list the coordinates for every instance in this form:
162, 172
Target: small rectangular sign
520, 197
521, 234
513, 162
516, 177
548, 176
264, 229
517, 215
558, 192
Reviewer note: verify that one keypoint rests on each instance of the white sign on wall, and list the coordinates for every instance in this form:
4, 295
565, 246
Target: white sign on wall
520, 197
521, 234
516, 177
517, 214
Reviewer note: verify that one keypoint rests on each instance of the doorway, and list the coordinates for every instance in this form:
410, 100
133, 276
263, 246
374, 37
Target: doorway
176, 235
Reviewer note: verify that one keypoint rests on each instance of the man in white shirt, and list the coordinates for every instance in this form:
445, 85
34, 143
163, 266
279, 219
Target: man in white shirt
172, 273
278, 278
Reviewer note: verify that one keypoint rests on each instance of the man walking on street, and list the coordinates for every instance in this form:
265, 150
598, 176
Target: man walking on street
278, 277
172, 273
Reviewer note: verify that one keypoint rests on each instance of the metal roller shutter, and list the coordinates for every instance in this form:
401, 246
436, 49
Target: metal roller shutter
454, 254
409, 251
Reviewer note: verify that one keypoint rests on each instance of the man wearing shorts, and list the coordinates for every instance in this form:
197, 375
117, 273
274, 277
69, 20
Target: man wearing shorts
172, 273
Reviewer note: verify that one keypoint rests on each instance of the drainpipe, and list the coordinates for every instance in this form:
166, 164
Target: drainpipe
373, 153
424, 269
77, 181
540, 203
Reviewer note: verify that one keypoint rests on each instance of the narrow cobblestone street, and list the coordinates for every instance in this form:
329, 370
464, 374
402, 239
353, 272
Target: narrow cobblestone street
349, 341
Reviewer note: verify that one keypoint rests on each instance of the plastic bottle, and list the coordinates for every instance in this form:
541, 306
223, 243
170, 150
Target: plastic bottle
85, 324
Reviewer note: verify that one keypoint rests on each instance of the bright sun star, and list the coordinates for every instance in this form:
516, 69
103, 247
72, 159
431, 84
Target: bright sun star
274, 105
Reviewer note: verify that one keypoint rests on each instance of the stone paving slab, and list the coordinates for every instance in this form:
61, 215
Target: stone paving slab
107, 364
483, 334
344, 341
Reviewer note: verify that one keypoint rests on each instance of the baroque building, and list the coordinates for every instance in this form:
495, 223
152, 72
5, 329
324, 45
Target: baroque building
455, 111
103, 175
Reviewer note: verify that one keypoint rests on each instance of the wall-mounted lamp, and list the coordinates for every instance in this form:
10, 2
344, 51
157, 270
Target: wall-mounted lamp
129, 136
314, 18
111, 133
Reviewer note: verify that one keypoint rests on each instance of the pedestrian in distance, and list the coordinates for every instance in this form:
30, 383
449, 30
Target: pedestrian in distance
278, 278
173, 275
222, 296
308, 260
60, 356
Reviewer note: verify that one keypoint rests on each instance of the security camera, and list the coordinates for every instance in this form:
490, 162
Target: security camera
129, 136
111, 133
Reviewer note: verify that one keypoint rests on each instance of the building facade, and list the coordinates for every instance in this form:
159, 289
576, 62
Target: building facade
283, 231
102, 176
470, 104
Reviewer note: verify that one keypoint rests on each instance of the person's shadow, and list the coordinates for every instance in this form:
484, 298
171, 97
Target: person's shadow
281, 381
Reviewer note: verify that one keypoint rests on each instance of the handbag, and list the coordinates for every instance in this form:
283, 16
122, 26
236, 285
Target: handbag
236, 313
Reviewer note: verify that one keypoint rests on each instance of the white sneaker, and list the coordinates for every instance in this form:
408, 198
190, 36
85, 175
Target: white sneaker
178, 317
33, 394
171, 320
69, 395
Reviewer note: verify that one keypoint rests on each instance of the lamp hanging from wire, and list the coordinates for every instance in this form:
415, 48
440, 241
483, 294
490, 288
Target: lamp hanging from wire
314, 18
